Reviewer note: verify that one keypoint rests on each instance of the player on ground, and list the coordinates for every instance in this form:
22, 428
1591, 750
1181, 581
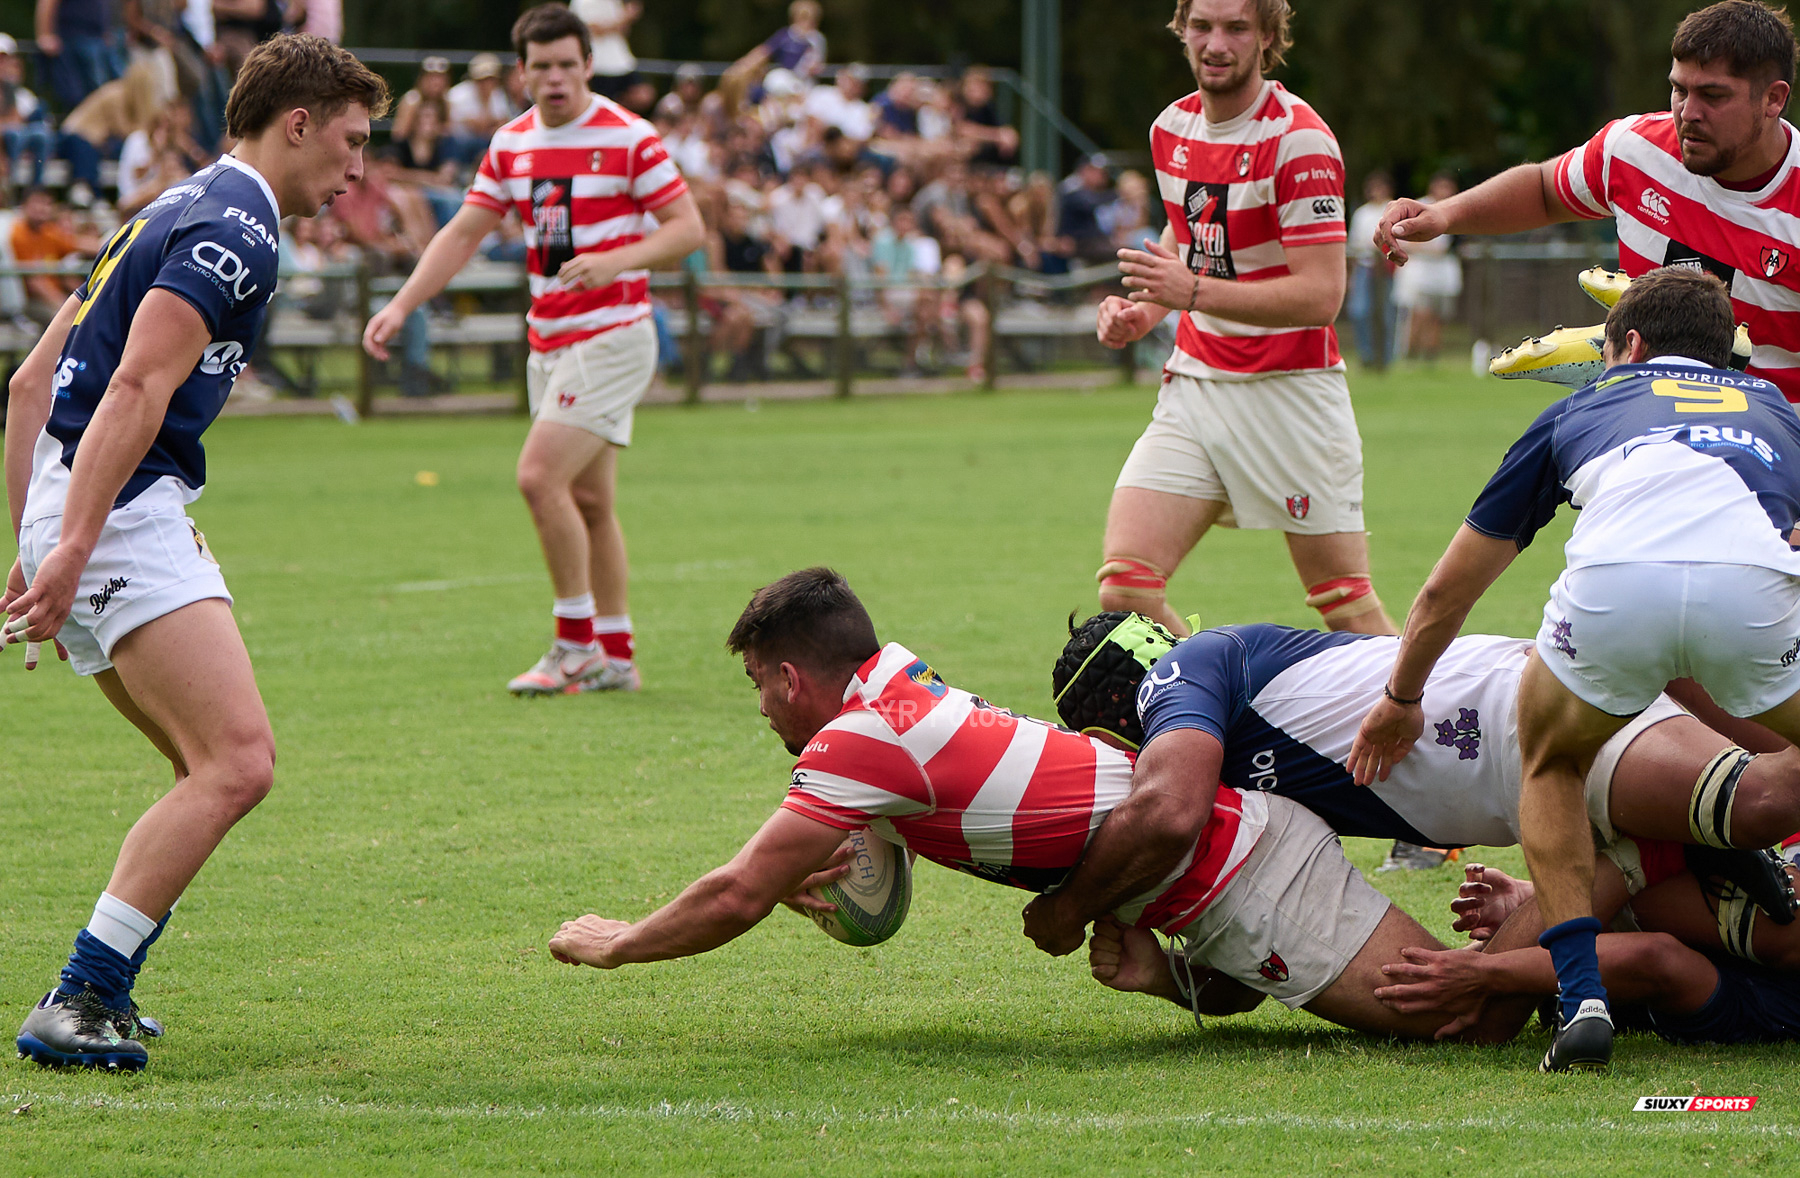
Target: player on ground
102, 455
1274, 709
1253, 425
1687, 477
1709, 184
1664, 986
602, 205
884, 742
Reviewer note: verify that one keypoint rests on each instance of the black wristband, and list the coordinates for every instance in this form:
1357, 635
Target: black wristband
1389, 692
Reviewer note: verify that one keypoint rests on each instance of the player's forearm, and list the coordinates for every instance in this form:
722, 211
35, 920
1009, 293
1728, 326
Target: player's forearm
1519, 199
1292, 300
448, 252
114, 443
1136, 848
714, 910
29, 397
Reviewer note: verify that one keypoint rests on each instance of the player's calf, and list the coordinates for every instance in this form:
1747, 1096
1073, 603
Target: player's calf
1349, 602
1130, 585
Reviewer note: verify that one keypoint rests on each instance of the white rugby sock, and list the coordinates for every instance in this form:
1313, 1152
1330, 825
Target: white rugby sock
118, 925
612, 623
574, 607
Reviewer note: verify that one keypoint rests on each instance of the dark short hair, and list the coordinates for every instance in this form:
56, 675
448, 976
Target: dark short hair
297, 70
547, 23
1677, 311
1094, 683
1753, 39
809, 618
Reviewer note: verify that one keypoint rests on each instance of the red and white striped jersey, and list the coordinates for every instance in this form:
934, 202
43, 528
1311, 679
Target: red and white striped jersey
586, 186
1667, 216
997, 795
1238, 193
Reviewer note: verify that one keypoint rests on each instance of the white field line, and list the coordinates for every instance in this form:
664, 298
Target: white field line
465, 583
693, 570
728, 1112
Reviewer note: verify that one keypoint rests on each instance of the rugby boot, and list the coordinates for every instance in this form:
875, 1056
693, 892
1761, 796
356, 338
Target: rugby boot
1568, 356
1761, 874
1585, 1042
1411, 857
560, 671
612, 675
78, 1030
1603, 286
141, 1026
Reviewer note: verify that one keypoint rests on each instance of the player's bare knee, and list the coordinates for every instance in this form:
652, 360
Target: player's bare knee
1651, 960
247, 772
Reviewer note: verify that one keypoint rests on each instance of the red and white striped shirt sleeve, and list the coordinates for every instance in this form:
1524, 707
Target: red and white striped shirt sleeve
1309, 184
655, 180
853, 772
1581, 176
487, 192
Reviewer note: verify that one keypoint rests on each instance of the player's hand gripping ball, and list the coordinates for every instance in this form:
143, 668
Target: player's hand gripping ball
873, 899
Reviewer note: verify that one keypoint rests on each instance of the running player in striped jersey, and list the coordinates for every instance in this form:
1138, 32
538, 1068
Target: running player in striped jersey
602, 205
1262, 897
1711, 183
1253, 426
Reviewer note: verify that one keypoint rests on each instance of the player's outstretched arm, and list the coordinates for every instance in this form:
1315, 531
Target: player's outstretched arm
448, 252
1140, 843
166, 339
1518, 199
1471, 563
718, 907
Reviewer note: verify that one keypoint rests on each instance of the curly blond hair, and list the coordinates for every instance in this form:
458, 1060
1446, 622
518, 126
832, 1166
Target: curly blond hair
1271, 15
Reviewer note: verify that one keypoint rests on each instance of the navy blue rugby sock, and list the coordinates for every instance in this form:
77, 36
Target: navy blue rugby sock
1571, 946
97, 964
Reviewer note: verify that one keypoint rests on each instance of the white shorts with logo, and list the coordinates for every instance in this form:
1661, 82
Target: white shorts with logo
1294, 916
148, 562
1615, 634
1281, 451
595, 384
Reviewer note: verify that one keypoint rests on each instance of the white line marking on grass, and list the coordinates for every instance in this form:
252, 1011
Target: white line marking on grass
728, 1112
465, 583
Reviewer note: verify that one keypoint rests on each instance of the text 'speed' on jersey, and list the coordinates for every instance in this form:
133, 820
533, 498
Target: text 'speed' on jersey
212, 240
1668, 461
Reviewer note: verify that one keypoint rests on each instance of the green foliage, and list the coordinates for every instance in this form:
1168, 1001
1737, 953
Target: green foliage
357, 983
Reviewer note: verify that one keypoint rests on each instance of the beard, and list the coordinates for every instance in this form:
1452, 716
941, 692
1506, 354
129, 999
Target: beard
1709, 157
1231, 83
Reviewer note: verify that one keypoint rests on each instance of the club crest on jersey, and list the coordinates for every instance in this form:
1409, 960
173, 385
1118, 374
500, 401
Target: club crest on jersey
565, 400
1243, 164
1273, 968
1562, 637
1299, 505
1178, 157
1773, 260
927, 678
1464, 735
594, 162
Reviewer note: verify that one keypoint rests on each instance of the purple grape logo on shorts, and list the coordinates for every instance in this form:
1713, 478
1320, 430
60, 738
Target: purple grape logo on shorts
1464, 735
1559, 637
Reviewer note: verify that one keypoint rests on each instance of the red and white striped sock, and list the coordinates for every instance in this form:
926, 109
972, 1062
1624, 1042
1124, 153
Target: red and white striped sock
575, 620
614, 633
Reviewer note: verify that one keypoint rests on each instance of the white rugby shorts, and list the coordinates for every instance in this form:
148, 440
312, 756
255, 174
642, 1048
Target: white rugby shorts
1293, 917
595, 384
148, 562
1281, 451
1615, 634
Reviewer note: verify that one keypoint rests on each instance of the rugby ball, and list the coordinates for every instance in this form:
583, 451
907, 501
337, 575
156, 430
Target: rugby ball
873, 899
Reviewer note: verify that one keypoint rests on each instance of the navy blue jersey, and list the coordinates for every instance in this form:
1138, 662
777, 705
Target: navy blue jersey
212, 241
1752, 1004
1286, 704
1667, 461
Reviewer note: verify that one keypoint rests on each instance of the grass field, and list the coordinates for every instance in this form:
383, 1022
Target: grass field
357, 983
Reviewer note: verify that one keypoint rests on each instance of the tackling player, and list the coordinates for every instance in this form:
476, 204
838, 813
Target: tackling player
1253, 426
1708, 184
1687, 478
1262, 897
102, 455
1274, 709
602, 205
